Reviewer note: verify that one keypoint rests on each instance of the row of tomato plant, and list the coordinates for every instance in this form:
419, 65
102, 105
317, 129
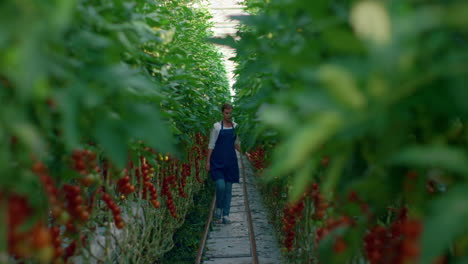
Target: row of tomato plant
101, 102
358, 126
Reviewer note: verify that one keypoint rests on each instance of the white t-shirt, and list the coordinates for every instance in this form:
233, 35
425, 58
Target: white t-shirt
215, 133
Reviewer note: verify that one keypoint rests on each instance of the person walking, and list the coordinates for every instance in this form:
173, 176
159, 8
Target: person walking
222, 162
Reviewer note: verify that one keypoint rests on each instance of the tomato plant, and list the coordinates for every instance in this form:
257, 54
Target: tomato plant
359, 97
105, 103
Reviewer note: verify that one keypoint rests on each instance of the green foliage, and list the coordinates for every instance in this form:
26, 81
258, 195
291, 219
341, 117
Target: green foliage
451, 212
104, 72
107, 75
377, 86
187, 238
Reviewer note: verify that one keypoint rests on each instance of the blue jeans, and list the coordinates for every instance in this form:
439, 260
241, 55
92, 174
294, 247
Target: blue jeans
223, 195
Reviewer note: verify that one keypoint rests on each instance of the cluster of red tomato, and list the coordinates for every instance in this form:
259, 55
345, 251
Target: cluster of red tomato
330, 225
153, 194
257, 157
397, 243
166, 191
116, 213
84, 162
291, 214
40, 242
202, 141
124, 186
56, 241
319, 201
55, 203
197, 150
186, 171
147, 169
320, 206
69, 207
26, 244
75, 202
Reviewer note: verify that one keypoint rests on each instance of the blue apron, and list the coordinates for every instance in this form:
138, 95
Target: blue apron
223, 162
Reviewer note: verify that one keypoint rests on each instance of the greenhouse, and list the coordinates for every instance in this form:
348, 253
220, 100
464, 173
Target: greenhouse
234, 132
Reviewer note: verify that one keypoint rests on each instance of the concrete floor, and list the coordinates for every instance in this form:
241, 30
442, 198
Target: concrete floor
230, 243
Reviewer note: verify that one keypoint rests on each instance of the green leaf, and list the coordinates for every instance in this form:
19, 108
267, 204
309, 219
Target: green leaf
293, 152
433, 156
302, 179
463, 261
447, 219
69, 122
112, 139
342, 86
227, 41
29, 134
342, 41
279, 117
456, 14
63, 13
144, 123
333, 174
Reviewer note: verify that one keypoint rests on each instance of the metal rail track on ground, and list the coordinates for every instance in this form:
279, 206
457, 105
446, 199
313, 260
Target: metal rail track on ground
251, 238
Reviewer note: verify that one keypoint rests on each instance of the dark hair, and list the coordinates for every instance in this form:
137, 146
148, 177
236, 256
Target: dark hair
226, 106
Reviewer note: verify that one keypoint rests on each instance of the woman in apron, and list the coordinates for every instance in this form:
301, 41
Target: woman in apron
222, 162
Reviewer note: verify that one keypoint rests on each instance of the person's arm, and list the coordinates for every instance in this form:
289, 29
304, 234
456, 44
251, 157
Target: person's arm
237, 143
208, 159
211, 145
237, 146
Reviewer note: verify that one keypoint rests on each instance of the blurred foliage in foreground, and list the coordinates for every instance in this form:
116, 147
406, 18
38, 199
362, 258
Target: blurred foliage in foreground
377, 87
88, 87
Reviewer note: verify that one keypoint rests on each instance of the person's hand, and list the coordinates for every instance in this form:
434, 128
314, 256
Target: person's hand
207, 166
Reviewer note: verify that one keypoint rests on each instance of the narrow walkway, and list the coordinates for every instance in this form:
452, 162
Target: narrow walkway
268, 249
230, 244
